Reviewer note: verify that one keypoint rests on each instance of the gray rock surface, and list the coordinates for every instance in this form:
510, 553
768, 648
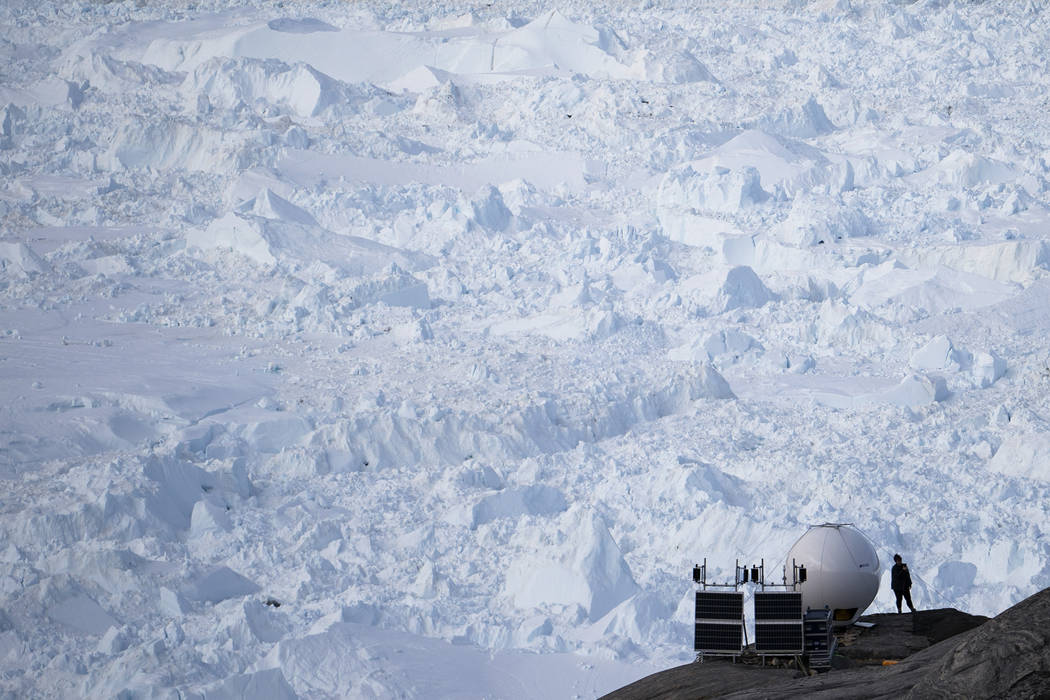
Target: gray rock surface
1007, 658
932, 654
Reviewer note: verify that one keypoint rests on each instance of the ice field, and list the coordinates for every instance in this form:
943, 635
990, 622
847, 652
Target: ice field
374, 349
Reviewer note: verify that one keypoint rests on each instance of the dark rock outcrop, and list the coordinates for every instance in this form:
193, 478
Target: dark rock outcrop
1007, 658
896, 637
932, 654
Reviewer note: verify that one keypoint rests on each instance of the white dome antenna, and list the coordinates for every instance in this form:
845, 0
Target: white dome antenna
842, 570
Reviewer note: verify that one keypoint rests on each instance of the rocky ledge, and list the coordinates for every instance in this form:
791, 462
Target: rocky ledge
928, 654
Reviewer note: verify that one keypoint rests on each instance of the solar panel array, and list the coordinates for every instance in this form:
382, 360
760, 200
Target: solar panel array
778, 622
719, 622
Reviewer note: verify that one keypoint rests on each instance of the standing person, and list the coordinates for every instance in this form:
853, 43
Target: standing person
900, 582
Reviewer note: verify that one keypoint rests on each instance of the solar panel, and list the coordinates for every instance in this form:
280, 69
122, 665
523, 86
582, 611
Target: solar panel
719, 622
715, 638
778, 622
778, 605
719, 605
778, 637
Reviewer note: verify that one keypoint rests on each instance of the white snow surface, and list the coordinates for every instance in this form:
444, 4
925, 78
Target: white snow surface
372, 349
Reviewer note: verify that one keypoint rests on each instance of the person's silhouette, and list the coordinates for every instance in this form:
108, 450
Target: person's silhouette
900, 582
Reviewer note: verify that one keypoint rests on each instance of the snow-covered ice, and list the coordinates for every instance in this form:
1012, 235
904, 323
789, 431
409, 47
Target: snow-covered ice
420, 349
